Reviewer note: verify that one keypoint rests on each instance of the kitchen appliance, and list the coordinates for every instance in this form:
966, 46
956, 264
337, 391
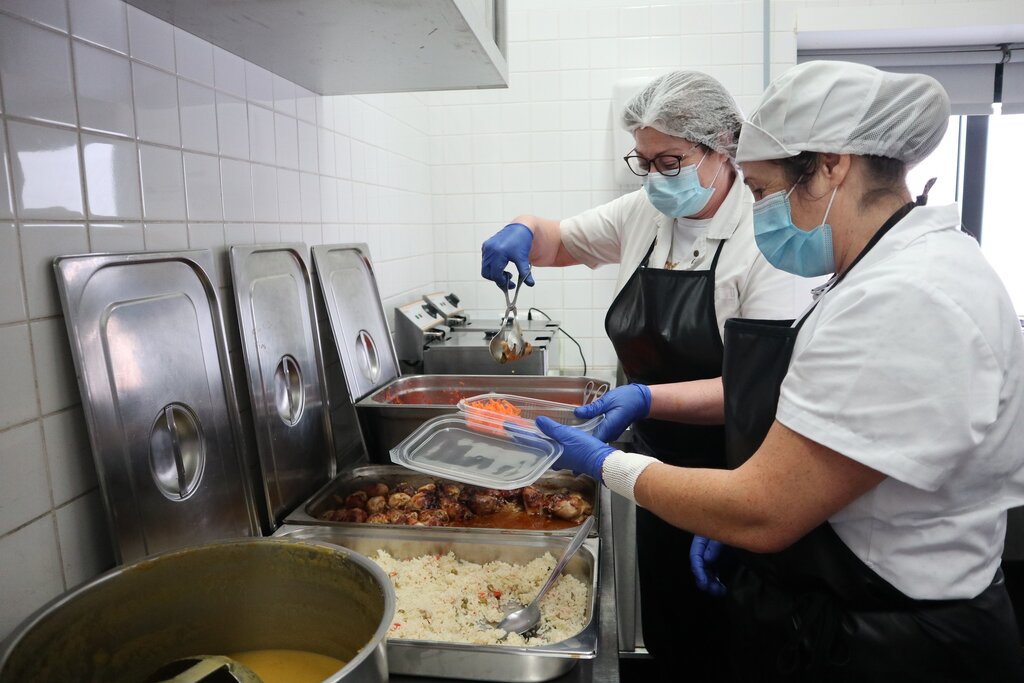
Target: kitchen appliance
449, 307
157, 389
476, 662
436, 336
221, 598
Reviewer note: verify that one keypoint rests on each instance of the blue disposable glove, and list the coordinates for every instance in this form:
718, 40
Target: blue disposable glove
704, 553
583, 454
621, 407
510, 244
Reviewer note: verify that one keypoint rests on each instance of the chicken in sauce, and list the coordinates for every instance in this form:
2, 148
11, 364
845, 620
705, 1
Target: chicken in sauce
443, 503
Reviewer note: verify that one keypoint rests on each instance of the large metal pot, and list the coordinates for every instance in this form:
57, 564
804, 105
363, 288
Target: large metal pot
213, 599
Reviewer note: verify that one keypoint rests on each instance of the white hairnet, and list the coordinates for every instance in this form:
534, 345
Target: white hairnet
687, 104
846, 108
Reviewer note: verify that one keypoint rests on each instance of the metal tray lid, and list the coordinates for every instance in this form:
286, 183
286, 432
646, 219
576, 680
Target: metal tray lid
357, 317
152, 362
281, 346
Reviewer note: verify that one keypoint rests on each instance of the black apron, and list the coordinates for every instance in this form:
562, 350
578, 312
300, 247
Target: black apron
814, 611
664, 328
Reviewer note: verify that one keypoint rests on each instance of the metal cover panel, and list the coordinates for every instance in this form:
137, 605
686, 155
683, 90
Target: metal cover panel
357, 317
152, 364
277, 320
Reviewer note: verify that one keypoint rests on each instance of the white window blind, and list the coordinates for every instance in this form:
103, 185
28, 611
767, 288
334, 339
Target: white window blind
968, 73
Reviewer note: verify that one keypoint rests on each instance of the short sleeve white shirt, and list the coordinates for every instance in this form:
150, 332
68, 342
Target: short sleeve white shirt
914, 366
746, 285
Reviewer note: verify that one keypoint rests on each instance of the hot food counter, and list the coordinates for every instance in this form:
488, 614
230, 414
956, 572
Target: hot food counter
275, 448
604, 668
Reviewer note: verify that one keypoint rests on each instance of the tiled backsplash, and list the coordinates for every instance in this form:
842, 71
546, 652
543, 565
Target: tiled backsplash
119, 132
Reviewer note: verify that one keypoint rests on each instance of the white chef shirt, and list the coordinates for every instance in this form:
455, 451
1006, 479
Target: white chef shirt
914, 366
746, 285
685, 233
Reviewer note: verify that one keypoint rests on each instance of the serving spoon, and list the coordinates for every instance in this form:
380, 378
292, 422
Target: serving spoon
524, 619
508, 344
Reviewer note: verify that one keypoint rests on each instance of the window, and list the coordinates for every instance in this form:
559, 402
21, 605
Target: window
1002, 235
945, 164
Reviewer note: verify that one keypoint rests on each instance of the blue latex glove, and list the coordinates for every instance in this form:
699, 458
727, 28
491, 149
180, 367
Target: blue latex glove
510, 244
583, 454
704, 553
622, 406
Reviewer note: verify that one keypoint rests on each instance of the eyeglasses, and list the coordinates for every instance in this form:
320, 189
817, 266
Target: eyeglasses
665, 164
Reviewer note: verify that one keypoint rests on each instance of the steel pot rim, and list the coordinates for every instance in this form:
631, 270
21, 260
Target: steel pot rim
379, 638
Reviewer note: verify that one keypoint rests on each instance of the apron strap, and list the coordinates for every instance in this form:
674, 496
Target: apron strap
899, 215
922, 199
718, 252
647, 256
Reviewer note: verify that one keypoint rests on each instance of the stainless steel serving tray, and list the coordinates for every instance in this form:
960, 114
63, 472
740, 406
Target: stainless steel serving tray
278, 325
352, 480
465, 661
356, 316
395, 410
152, 362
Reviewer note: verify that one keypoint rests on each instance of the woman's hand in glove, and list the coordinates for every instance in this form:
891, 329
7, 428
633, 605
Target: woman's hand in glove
621, 407
704, 554
582, 453
510, 244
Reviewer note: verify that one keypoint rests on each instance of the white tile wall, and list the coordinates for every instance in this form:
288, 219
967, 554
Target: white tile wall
30, 571
35, 67
198, 116
24, 489
163, 183
120, 132
103, 22
111, 177
104, 89
46, 179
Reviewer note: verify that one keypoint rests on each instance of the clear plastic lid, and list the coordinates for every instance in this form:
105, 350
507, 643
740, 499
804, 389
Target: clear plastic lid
523, 411
477, 450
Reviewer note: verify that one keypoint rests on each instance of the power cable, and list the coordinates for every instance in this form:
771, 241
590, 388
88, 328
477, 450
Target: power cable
529, 316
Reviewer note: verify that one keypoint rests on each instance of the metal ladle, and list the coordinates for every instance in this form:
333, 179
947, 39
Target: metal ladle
522, 620
508, 344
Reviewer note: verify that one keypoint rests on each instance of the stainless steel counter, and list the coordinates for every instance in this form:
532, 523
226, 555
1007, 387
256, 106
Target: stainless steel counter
605, 667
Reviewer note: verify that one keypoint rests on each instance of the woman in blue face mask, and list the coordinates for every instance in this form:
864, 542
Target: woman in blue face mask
687, 260
874, 443
673, 181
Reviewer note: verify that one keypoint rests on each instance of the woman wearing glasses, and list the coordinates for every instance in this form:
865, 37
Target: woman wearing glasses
689, 262
876, 441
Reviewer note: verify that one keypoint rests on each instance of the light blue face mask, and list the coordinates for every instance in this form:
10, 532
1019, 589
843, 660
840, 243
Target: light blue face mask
807, 253
680, 195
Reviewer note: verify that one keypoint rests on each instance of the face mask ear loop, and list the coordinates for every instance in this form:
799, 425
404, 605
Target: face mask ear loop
701, 161
829, 207
717, 173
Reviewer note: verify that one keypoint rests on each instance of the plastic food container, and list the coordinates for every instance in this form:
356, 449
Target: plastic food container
523, 411
477, 450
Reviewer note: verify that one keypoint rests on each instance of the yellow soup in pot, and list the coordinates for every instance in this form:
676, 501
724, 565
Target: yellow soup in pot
288, 666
